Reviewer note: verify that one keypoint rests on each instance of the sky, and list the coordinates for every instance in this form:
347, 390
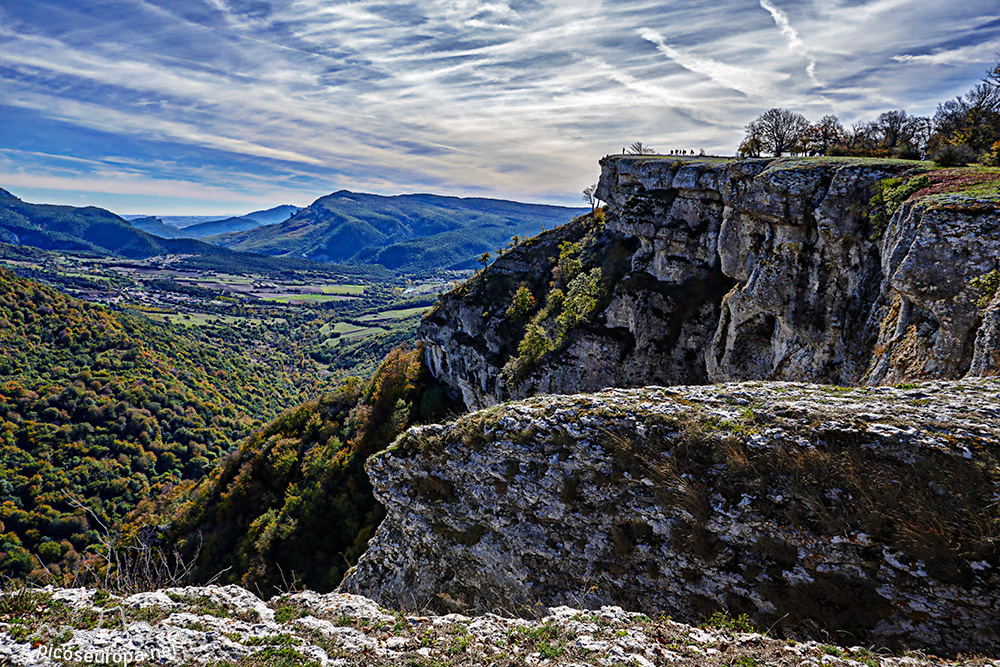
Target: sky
217, 107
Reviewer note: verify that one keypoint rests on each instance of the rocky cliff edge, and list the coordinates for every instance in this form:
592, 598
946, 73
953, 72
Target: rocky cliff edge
230, 627
868, 515
722, 270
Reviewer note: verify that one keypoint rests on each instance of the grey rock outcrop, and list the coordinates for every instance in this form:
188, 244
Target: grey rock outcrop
986, 357
187, 627
737, 270
933, 327
866, 513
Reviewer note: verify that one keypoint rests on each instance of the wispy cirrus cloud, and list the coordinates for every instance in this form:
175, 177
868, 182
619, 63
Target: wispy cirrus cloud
795, 42
743, 79
517, 98
962, 55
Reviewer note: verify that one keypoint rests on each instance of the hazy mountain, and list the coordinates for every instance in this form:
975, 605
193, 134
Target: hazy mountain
156, 227
199, 226
405, 233
241, 223
274, 215
217, 227
179, 221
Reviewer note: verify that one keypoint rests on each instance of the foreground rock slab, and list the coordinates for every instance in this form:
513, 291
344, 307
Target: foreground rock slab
867, 515
225, 626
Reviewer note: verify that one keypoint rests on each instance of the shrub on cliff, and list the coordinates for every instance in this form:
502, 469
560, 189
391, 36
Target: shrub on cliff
988, 284
583, 294
889, 196
951, 155
582, 275
522, 303
534, 344
569, 262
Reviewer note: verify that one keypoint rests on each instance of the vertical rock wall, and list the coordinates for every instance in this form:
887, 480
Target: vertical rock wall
734, 270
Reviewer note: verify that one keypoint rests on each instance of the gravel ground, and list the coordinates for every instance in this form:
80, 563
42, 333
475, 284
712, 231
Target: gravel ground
227, 625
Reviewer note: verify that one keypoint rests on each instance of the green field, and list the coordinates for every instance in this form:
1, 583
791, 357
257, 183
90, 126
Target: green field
222, 278
345, 290
81, 274
304, 298
201, 319
348, 331
395, 314
344, 328
361, 333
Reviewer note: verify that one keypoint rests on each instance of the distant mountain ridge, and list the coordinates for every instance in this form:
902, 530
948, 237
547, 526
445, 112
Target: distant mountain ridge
272, 215
406, 233
53, 227
157, 227
418, 233
242, 223
96, 230
178, 221
196, 227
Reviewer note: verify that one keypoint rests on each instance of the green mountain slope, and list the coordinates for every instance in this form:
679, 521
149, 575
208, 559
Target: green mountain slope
294, 501
71, 228
406, 233
106, 408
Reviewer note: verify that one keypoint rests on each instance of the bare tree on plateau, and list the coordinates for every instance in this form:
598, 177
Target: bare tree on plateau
589, 196
820, 137
638, 148
776, 131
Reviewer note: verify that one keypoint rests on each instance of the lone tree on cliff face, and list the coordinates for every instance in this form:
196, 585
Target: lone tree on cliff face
776, 131
484, 259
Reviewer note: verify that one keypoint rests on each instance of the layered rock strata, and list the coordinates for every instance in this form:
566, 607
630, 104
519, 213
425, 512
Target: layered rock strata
862, 514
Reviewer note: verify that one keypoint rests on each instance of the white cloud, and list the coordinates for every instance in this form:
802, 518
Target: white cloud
794, 41
752, 82
960, 56
512, 99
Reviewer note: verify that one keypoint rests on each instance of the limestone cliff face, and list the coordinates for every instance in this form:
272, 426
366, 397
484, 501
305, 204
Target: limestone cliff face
932, 326
734, 270
866, 514
869, 514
